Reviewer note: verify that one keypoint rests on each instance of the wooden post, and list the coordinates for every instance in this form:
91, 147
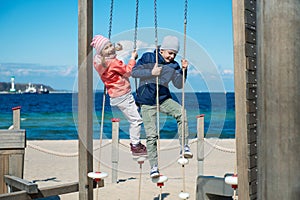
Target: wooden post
278, 103
85, 98
200, 144
12, 150
16, 117
240, 96
115, 149
21, 184
48, 191
245, 83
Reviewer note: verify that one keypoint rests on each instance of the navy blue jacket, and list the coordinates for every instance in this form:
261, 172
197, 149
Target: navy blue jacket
146, 92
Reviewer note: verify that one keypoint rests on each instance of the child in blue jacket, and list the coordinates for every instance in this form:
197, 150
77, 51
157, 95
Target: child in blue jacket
168, 70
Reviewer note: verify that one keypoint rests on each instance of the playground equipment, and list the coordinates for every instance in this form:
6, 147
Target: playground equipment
12, 150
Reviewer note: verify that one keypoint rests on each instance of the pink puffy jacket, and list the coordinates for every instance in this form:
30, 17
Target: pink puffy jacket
115, 76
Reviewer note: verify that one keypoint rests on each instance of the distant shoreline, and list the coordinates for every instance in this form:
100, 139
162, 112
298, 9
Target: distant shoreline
71, 92
51, 92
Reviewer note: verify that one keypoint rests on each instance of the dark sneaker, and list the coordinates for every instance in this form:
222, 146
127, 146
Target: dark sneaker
187, 152
138, 149
154, 173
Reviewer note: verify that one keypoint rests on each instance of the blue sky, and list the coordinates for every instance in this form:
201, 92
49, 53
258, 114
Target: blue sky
39, 38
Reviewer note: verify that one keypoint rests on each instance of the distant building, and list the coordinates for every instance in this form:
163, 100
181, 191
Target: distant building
12, 88
30, 89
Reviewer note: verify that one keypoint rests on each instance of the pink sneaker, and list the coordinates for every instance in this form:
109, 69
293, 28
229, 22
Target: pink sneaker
138, 149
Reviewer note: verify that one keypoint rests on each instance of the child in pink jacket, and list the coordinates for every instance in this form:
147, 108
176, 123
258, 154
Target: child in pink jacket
115, 76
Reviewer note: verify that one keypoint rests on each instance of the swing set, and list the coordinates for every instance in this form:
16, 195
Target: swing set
88, 177
241, 14
98, 175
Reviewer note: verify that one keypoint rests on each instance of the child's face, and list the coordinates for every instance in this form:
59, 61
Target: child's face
108, 50
168, 55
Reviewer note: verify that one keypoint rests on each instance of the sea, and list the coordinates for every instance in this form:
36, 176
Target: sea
54, 116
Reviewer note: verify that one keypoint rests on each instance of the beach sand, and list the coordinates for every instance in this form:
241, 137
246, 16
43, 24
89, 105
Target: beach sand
55, 162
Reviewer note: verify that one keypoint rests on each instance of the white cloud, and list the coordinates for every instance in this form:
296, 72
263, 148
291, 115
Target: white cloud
5, 73
128, 48
69, 71
227, 72
24, 69
194, 72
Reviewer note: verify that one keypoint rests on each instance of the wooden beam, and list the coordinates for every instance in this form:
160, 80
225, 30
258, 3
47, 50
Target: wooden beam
212, 186
85, 98
200, 144
12, 139
43, 192
21, 184
240, 82
48, 191
115, 150
12, 149
278, 127
16, 117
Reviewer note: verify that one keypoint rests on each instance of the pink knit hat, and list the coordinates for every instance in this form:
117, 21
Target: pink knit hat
99, 42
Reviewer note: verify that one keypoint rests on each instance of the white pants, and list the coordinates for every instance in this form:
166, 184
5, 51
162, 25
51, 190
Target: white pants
128, 107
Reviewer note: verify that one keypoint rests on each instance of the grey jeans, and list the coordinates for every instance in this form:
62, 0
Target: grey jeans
128, 107
149, 115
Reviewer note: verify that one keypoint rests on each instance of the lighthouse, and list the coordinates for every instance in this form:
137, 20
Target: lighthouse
12, 88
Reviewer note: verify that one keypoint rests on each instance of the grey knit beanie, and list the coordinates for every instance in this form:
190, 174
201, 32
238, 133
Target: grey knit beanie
170, 43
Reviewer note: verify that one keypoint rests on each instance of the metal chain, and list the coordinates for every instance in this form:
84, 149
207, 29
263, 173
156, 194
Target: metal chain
155, 23
185, 22
185, 10
110, 18
136, 23
135, 39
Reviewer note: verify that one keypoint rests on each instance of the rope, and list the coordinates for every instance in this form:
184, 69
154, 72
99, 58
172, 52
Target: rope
104, 97
190, 143
101, 126
55, 153
223, 149
157, 82
104, 89
157, 92
183, 99
101, 133
52, 152
136, 82
140, 180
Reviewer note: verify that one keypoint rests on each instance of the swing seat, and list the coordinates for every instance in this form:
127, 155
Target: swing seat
231, 180
182, 161
140, 158
184, 195
160, 179
97, 175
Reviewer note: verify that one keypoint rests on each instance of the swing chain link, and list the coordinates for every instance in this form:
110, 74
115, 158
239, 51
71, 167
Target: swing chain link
135, 38
185, 22
136, 23
110, 18
185, 11
155, 23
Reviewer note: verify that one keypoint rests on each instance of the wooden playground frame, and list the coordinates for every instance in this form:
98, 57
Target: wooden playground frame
257, 126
